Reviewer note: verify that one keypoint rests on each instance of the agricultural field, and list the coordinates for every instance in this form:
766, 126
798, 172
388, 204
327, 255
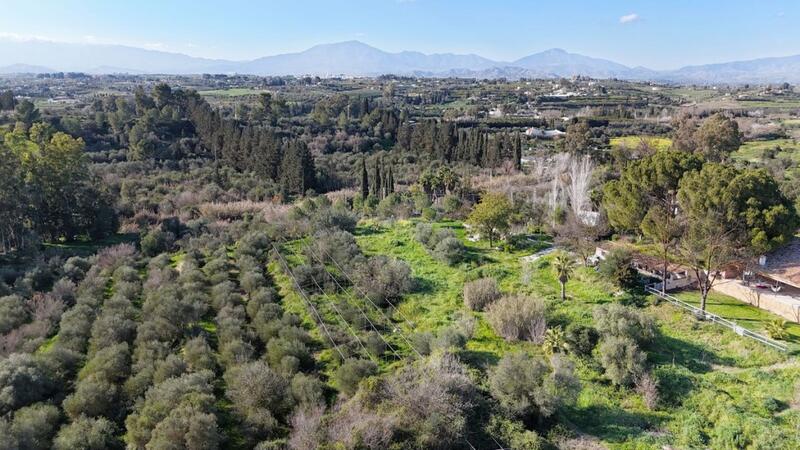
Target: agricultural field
632, 142
757, 151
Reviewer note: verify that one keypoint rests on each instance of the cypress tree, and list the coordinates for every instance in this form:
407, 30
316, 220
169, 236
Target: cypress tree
364, 179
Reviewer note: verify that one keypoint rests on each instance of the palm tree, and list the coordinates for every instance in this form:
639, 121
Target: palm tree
563, 266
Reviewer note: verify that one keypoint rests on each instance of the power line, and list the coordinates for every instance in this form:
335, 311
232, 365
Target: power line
308, 302
380, 310
338, 312
316, 258
408, 322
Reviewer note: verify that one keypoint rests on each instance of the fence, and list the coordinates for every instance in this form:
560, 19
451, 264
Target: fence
738, 329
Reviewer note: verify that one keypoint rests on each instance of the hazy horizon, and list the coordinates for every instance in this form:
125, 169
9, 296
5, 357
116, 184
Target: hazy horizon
654, 35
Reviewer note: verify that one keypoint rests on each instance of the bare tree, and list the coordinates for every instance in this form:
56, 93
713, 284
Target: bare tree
707, 248
580, 176
580, 237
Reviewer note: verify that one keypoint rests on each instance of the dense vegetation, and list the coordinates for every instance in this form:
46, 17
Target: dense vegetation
189, 262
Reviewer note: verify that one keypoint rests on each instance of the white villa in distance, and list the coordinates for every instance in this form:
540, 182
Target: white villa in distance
543, 134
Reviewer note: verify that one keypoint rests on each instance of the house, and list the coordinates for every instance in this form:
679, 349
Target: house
542, 133
678, 276
773, 284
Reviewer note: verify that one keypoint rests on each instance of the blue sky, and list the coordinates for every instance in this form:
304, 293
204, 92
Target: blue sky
657, 34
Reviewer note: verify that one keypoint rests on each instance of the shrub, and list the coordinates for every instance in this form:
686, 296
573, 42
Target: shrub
12, 313
93, 397
34, 426
449, 338
480, 293
451, 204
432, 400
776, 329
156, 241
165, 403
23, 380
647, 386
259, 395
624, 321
449, 250
517, 317
581, 339
351, 372
383, 279
617, 267
307, 390
528, 387
621, 359
422, 342
423, 233
87, 434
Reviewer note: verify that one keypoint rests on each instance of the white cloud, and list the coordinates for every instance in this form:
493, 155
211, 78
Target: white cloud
628, 18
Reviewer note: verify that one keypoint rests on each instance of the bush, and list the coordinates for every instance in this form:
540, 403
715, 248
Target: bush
87, 434
259, 395
581, 339
308, 390
23, 380
12, 313
34, 426
383, 279
528, 387
617, 267
624, 321
156, 241
449, 250
165, 404
423, 233
451, 204
621, 359
776, 329
480, 293
351, 372
517, 317
93, 397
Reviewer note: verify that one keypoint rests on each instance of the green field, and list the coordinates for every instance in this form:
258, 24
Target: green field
753, 151
743, 314
632, 142
709, 370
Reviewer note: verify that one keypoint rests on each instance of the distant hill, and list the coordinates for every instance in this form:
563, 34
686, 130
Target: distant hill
24, 68
354, 58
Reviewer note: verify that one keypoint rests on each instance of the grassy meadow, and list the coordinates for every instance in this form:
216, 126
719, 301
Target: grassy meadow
706, 372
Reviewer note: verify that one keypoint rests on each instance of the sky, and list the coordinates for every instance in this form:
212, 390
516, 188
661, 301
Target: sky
659, 34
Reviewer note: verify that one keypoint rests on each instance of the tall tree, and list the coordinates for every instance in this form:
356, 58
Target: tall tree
563, 267
718, 137
364, 179
491, 215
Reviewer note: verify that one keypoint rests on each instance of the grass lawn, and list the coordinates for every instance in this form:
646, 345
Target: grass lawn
696, 361
753, 151
743, 314
659, 143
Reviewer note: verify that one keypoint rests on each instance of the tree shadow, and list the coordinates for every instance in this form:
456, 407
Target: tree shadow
368, 230
613, 424
479, 358
423, 286
696, 358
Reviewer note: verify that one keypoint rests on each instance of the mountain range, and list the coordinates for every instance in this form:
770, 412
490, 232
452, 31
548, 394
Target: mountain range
354, 58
